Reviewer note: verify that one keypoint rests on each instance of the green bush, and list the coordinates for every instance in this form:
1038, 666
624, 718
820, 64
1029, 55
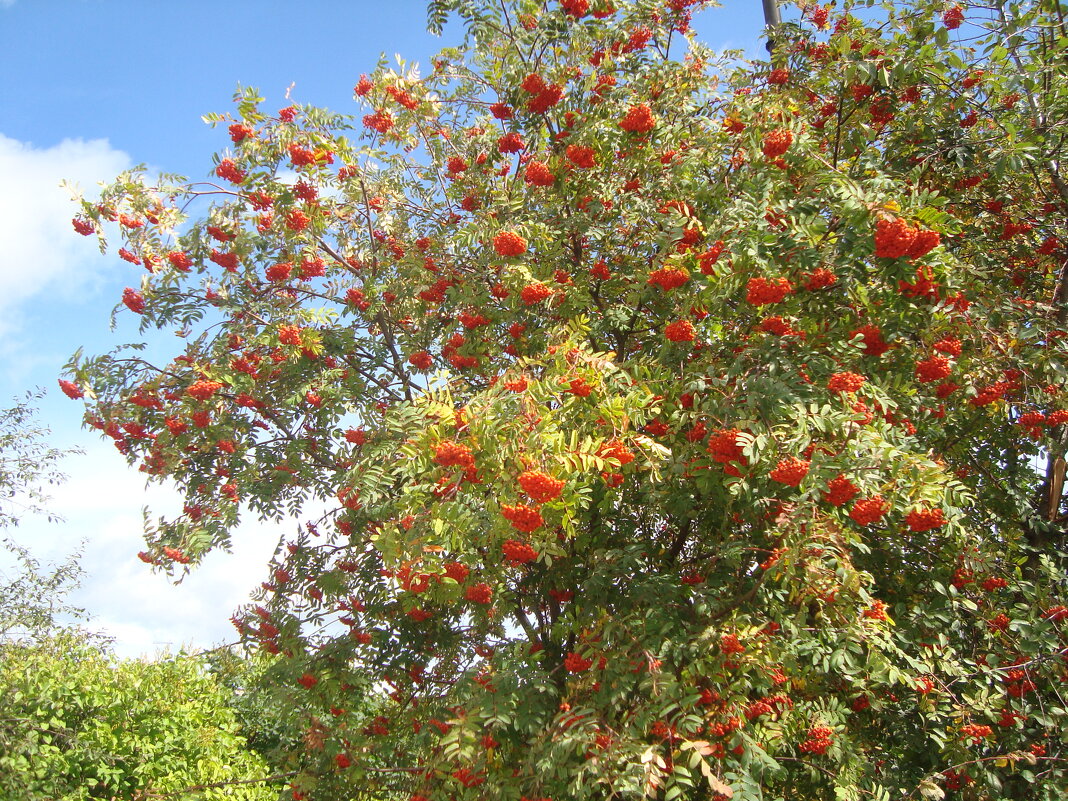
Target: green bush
78, 723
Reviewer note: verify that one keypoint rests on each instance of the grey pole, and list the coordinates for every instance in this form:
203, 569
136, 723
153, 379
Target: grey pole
772, 20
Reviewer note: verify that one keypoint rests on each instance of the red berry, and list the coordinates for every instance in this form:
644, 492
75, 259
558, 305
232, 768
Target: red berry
762, 291
203, 390
777, 142
522, 517
845, 382
452, 454
535, 293
680, 331
840, 491
509, 244
479, 594
574, 663
134, 300
540, 486
790, 471
869, 510
518, 553
639, 119
925, 519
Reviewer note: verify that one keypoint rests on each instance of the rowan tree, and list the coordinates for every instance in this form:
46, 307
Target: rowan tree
667, 426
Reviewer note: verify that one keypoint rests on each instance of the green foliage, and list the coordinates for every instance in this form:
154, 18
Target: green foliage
261, 713
79, 724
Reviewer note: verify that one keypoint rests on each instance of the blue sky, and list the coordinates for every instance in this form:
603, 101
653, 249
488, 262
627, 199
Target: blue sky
87, 88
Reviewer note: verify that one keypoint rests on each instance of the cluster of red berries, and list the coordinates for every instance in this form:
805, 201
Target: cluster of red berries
935, 368
872, 337
229, 171
540, 486
453, 454
762, 291
708, 259
777, 142
778, 326
771, 705
820, 278
468, 778
575, 8
668, 278
279, 272
840, 491
479, 593
535, 293
133, 300
301, 156
518, 553
895, 239
729, 644
71, 390
869, 510
574, 663
402, 98
228, 261
724, 448
953, 17
421, 360
539, 174
289, 335
617, 451
656, 428
951, 346
239, 132
203, 389
522, 517
511, 143
457, 571
581, 156
518, 385
579, 387
545, 95
638, 119
176, 555
923, 286
179, 260
975, 732
877, 611
680, 331
380, 121
819, 740
925, 519
790, 471
845, 382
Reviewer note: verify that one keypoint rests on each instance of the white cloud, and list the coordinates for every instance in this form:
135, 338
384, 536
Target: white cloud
143, 611
42, 253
